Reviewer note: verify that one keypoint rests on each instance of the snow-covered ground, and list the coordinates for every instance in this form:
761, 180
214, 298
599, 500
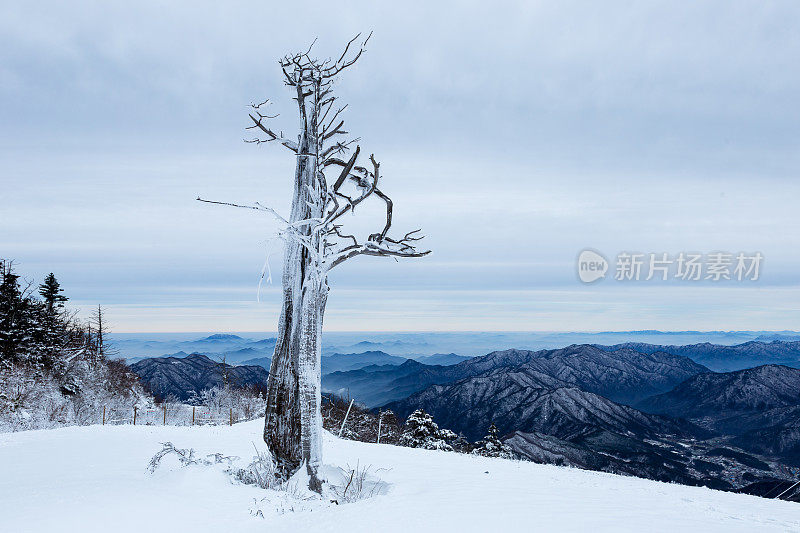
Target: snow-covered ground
95, 478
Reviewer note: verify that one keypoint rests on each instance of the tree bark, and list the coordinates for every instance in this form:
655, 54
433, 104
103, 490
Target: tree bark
314, 298
292, 427
282, 421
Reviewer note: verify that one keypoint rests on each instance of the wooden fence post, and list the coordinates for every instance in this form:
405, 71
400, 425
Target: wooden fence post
165, 414
193, 415
104, 415
231, 419
380, 419
346, 415
134, 415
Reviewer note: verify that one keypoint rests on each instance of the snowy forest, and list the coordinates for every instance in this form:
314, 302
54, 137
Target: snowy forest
55, 369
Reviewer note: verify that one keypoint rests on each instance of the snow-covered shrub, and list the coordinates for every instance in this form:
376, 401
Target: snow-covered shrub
173, 408
356, 484
187, 457
261, 471
492, 446
241, 404
37, 400
422, 432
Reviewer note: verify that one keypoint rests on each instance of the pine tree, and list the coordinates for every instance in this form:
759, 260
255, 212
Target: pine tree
461, 444
50, 290
15, 327
53, 334
49, 359
422, 432
492, 446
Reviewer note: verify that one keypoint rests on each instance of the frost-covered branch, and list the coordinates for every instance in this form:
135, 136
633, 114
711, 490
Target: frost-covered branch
256, 207
258, 123
402, 247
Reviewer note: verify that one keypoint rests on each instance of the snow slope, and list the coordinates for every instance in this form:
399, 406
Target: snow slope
94, 478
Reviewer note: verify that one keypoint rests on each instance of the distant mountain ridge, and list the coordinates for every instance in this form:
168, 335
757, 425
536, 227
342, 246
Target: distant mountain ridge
186, 377
233, 348
731, 393
418, 345
724, 358
341, 362
376, 384
441, 359
624, 376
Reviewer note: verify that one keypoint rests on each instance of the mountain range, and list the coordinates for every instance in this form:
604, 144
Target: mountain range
168, 375
415, 345
757, 408
720, 358
341, 362
375, 385
521, 401
184, 378
720, 396
555, 406
658, 411
623, 375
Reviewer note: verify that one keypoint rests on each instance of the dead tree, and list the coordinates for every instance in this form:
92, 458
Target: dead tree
330, 182
98, 332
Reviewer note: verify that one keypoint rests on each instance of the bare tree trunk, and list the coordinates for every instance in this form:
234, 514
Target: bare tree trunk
290, 391
282, 422
310, 355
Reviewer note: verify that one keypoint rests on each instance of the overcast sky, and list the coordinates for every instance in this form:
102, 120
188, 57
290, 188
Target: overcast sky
514, 134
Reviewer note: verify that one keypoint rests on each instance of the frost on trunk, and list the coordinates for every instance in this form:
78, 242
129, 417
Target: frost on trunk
329, 183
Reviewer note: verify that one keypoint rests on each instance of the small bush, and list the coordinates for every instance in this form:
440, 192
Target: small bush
356, 484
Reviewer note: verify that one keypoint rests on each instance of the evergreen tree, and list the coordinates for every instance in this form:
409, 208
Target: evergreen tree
32, 332
50, 371
15, 327
422, 432
54, 331
492, 446
51, 291
461, 444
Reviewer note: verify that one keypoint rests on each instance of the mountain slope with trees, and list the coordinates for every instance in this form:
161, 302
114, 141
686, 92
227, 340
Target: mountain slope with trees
719, 396
545, 414
517, 401
55, 369
758, 407
185, 378
623, 375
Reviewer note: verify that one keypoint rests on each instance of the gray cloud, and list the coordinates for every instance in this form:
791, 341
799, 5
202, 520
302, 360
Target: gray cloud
514, 134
